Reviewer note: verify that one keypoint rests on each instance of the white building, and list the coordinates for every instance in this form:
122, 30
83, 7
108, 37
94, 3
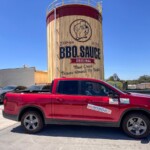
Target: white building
25, 76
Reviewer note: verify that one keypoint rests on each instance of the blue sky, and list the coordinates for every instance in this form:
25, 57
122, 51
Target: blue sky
126, 36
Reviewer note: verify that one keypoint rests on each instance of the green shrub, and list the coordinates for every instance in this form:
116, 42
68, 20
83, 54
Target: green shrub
117, 84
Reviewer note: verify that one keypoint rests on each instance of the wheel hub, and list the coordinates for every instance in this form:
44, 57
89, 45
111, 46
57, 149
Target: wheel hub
31, 123
136, 126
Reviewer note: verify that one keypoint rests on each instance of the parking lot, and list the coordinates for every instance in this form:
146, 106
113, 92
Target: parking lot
4, 123
59, 137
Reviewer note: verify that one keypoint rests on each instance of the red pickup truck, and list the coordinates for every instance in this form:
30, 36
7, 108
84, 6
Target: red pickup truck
80, 101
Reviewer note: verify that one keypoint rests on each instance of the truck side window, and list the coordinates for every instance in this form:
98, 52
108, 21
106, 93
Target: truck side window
46, 88
93, 89
51, 87
68, 87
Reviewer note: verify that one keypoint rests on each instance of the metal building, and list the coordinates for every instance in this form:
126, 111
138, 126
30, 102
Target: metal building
25, 76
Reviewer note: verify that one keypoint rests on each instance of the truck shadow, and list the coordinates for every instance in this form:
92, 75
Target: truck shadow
82, 132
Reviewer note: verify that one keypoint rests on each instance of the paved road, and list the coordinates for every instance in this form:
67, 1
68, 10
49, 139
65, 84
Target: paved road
4, 123
69, 138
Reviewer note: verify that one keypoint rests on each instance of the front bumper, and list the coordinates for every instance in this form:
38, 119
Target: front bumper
10, 116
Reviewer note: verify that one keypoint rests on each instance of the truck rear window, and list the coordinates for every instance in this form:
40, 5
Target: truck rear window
51, 87
68, 87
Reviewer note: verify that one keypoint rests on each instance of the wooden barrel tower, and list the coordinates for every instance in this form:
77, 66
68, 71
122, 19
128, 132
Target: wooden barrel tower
74, 40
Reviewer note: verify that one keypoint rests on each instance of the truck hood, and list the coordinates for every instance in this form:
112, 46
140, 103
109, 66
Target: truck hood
140, 95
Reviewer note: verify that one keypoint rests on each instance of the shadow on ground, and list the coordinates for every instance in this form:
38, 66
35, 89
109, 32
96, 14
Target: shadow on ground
82, 132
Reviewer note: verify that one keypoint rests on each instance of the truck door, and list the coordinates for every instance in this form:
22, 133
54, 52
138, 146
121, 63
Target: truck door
67, 103
98, 106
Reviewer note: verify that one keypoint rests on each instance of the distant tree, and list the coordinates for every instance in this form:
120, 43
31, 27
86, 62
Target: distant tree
132, 81
114, 77
117, 84
144, 79
141, 79
110, 78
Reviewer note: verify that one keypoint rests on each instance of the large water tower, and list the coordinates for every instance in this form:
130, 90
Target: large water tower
74, 39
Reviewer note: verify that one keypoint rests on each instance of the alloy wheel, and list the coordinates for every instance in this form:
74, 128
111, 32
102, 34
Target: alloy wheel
31, 122
136, 126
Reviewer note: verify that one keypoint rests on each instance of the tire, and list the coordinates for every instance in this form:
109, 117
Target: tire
32, 122
136, 125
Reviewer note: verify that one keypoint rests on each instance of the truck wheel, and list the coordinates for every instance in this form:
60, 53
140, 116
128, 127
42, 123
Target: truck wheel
32, 122
136, 125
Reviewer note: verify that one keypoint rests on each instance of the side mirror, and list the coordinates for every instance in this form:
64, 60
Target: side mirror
113, 95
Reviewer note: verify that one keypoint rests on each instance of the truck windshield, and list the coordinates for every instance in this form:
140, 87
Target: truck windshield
114, 87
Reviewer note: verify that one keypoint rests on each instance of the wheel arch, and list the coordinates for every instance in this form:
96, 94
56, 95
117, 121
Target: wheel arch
134, 110
31, 108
